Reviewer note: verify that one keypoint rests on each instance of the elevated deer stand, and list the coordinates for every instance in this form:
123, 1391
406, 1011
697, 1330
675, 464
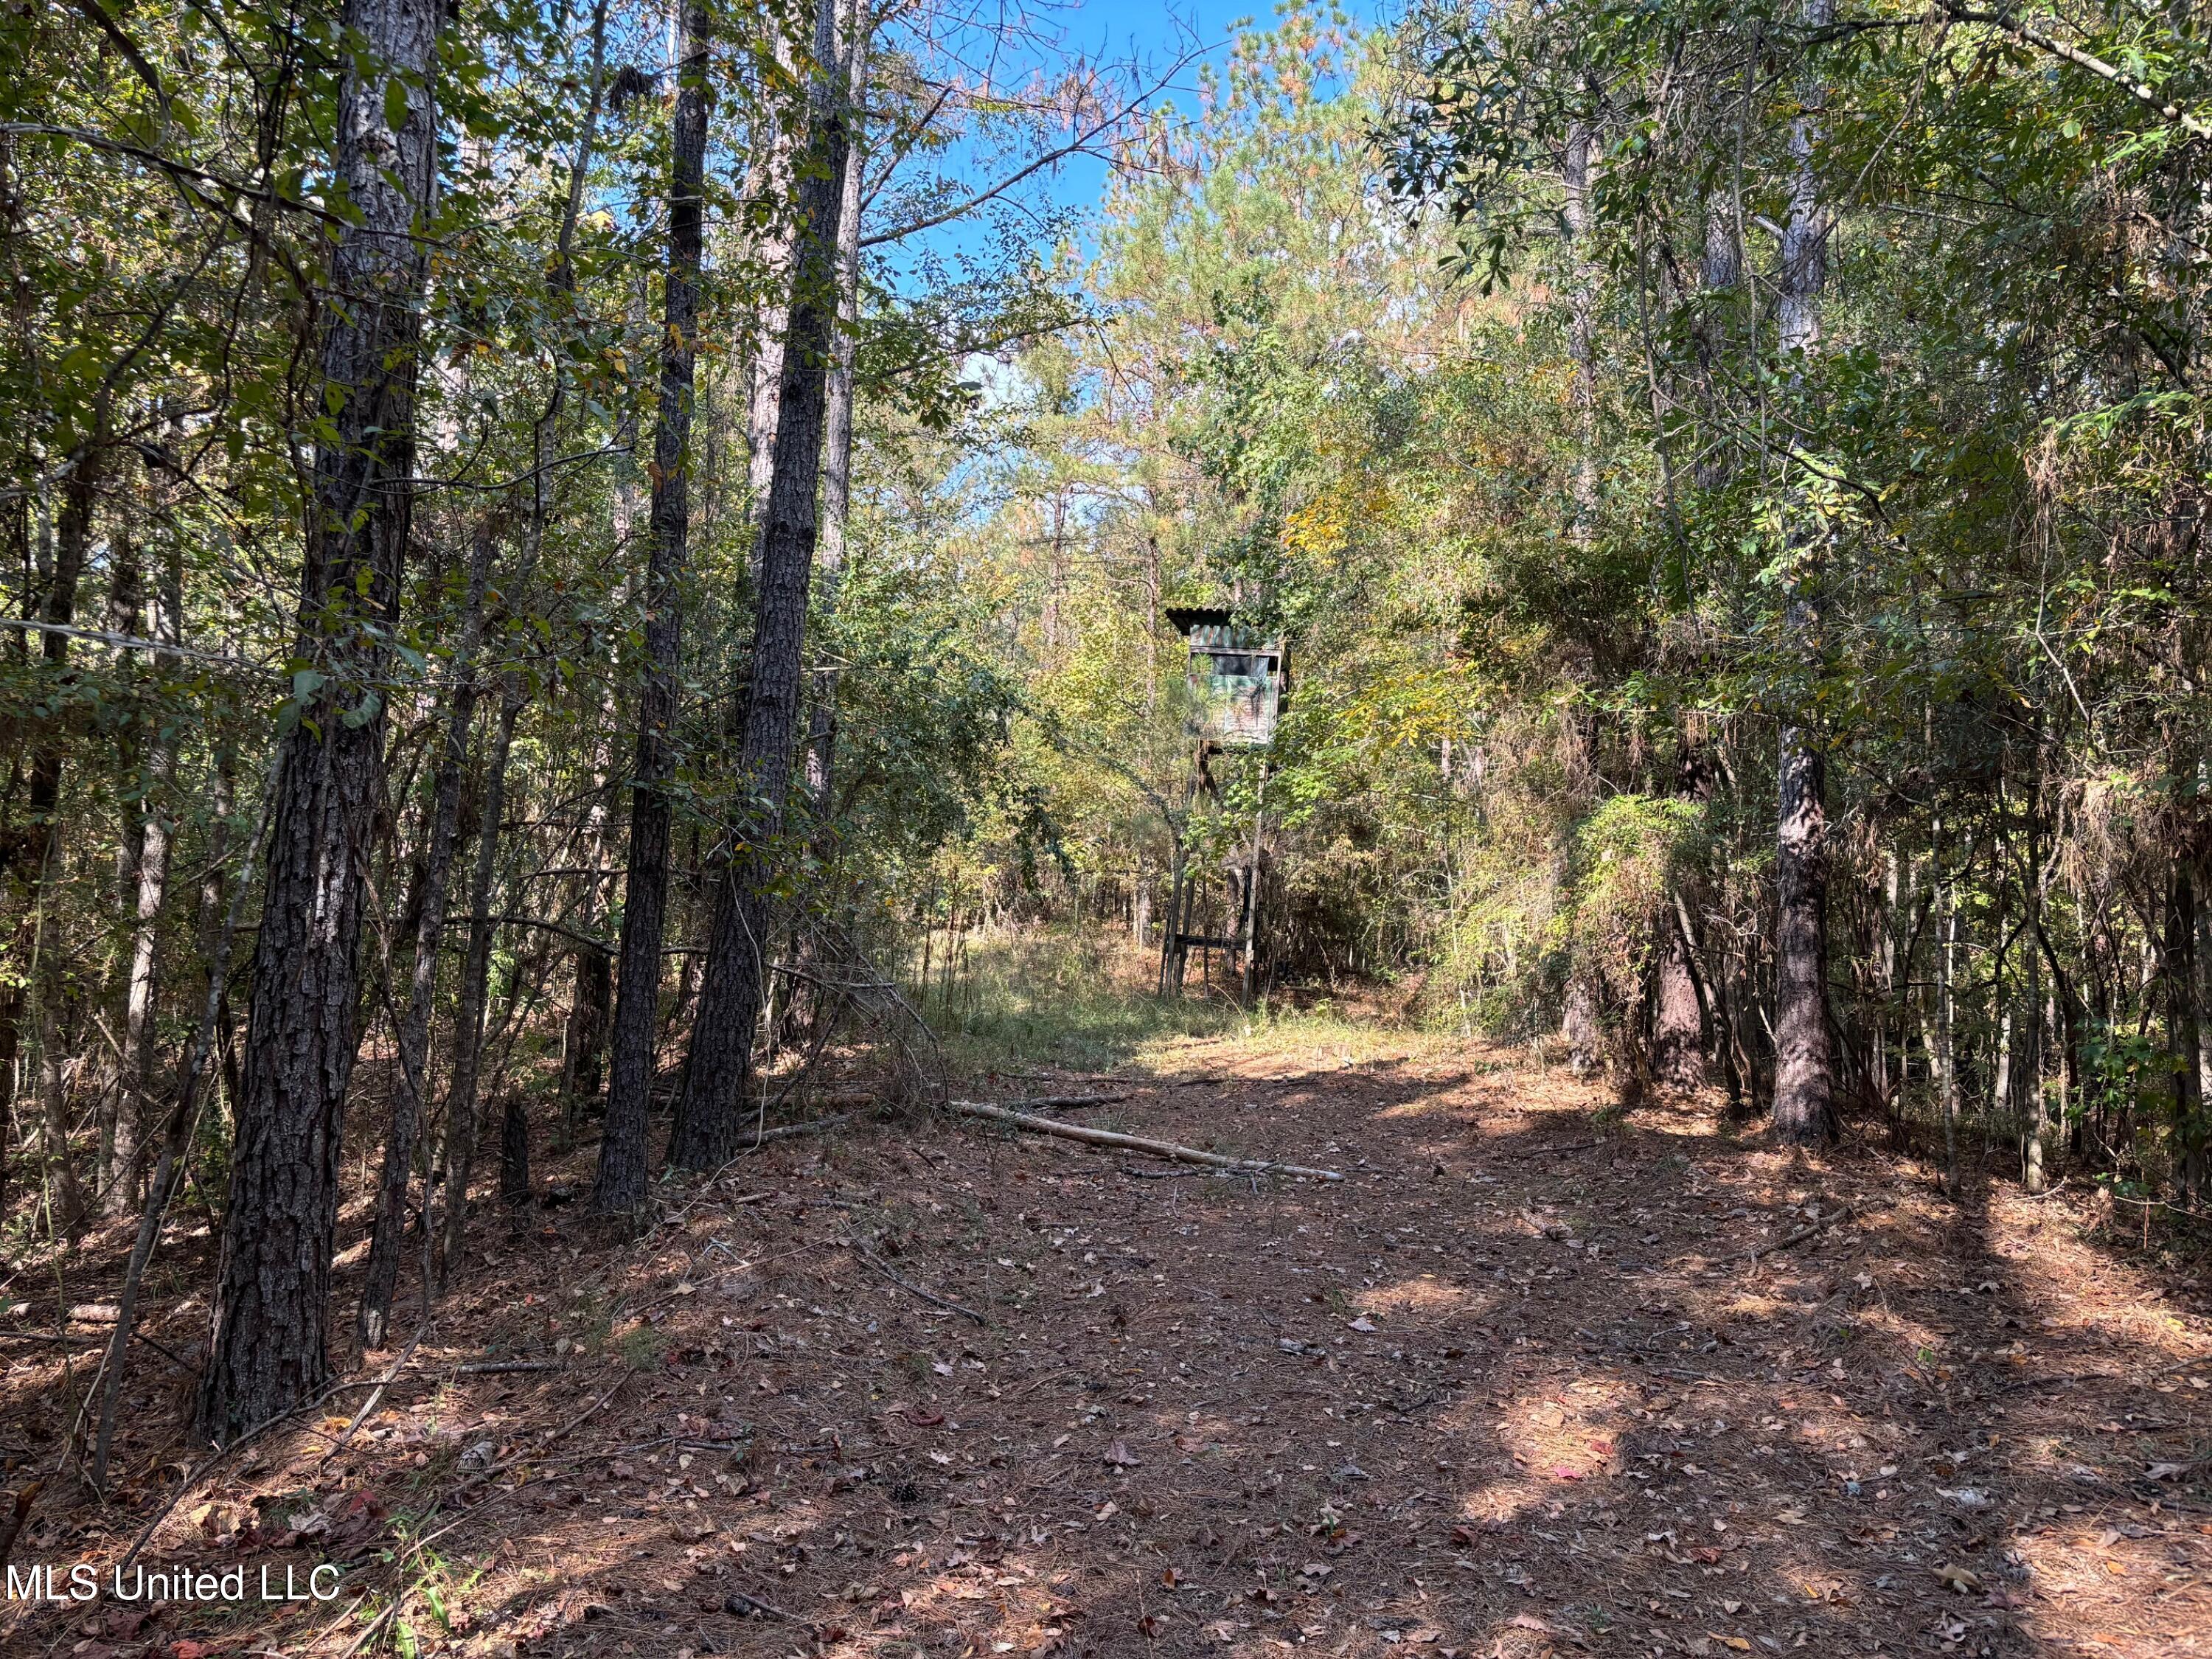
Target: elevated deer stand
1239, 681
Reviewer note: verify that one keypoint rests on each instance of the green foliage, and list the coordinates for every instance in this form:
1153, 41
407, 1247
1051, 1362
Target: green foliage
1630, 855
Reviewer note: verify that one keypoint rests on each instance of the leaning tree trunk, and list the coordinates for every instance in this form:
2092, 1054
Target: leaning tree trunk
619, 1187
1804, 1061
720, 1055
391, 1225
272, 1282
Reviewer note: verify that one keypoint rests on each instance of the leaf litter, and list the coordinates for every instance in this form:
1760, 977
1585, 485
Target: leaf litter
1506, 1392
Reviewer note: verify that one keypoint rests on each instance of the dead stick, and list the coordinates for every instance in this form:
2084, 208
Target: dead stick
375, 1395
502, 1467
496, 1367
866, 1255
375, 1627
742, 1604
812, 1126
1167, 1149
1804, 1233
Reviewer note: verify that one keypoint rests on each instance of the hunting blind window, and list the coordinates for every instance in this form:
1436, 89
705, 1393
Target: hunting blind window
1237, 678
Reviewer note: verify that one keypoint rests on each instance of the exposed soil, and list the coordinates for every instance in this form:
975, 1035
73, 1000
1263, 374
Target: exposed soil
1522, 1384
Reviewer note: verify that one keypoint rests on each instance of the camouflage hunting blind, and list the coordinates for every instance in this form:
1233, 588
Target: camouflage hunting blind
1237, 679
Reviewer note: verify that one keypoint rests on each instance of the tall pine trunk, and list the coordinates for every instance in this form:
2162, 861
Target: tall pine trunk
272, 1283
1804, 1060
770, 325
720, 1054
837, 442
620, 1185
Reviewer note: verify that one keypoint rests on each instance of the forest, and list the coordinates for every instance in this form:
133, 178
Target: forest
794, 735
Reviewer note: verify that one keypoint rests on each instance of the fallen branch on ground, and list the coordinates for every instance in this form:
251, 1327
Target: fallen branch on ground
1062, 1103
496, 1367
89, 1340
929, 1296
1167, 1149
1804, 1233
813, 1126
376, 1393
743, 1605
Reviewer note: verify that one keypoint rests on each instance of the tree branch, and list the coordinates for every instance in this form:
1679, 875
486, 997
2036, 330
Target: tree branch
2142, 92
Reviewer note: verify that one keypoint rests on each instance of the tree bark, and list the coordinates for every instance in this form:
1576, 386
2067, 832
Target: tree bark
72, 540
1577, 171
1804, 1060
272, 1286
1946, 1035
837, 442
720, 1055
771, 324
11, 1042
619, 1186
390, 1224
1678, 1015
584, 1064
1678, 1026
1804, 1068
514, 1153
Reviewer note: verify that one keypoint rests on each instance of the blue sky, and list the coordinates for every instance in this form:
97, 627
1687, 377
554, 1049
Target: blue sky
1153, 32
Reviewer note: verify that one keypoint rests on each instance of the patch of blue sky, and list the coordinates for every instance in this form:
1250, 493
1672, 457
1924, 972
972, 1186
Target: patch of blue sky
1154, 53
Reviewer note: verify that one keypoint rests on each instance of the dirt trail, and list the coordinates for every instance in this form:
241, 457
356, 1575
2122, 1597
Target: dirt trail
1521, 1385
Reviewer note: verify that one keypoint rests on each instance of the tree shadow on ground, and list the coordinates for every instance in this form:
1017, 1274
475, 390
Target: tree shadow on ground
1530, 1380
